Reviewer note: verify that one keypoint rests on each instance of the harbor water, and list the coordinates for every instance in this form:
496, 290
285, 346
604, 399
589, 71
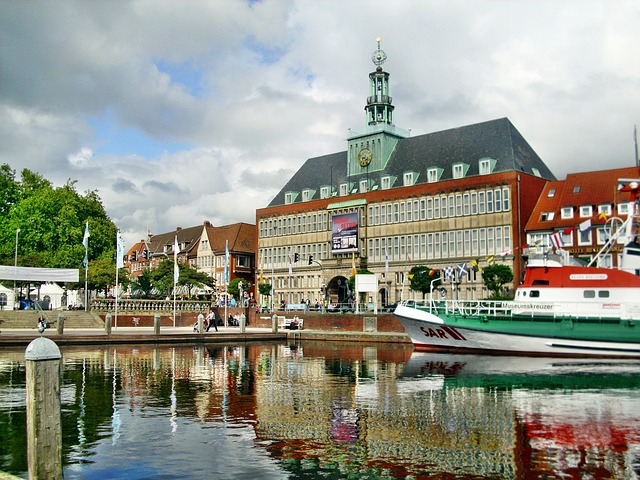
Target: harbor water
319, 410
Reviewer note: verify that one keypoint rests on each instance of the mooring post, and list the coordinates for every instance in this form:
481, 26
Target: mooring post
200, 323
274, 323
44, 428
243, 322
107, 324
60, 325
156, 324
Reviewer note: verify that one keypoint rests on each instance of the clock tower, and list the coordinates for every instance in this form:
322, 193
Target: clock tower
369, 150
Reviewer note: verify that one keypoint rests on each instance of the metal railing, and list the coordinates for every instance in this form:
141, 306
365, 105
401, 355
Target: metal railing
138, 305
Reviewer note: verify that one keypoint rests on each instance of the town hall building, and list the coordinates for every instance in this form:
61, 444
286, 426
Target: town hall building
392, 201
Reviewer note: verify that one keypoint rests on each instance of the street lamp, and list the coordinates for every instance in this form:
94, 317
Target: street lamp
15, 269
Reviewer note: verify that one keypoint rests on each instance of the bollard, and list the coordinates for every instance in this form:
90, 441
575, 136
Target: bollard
156, 324
44, 428
274, 323
200, 323
107, 324
60, 326
243, 322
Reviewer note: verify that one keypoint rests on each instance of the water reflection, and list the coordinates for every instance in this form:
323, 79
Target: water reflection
329, 410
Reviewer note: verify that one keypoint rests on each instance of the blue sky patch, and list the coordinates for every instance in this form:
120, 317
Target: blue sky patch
113, 138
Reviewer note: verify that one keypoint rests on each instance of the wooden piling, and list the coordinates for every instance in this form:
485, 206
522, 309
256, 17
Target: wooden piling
44, 428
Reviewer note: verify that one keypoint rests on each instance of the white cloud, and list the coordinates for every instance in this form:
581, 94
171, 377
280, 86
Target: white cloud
248, 91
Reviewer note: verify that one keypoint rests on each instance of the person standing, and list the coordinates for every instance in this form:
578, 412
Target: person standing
211, 320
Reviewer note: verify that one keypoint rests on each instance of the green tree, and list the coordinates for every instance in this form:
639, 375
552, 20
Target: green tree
51, 222
421, 278
191, 278
142, 285
162, 277
495, 276
234, 287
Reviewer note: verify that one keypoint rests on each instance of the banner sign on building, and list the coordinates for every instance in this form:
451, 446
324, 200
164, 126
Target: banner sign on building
344, 233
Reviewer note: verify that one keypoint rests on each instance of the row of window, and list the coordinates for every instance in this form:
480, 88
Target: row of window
434, 174
436, 246
479, 202
582, 238
586, 211
441, 245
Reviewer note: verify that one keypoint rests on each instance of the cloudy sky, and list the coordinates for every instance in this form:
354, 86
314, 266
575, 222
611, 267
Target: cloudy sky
180, 112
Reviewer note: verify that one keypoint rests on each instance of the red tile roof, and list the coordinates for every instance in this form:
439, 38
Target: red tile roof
595, 188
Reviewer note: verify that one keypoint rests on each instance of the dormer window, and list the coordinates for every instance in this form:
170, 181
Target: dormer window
586, 211
324, 192
409, 178
566, 212
344, 189
307, 194
486, 165
459, 170
364, 186
433, 174
288, 198
604, 209
386, 182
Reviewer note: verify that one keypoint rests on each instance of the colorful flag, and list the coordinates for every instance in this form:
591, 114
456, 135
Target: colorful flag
475, 265
261, 279
176, 268
119, 251
226, 262
603, 215
449, 273
568, 230
433, 272
491, 260
585, 226
556, 240
463, 270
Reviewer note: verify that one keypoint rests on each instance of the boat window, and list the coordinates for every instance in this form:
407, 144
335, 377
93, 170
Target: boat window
534, 293
589, 294
541, 282
603, 293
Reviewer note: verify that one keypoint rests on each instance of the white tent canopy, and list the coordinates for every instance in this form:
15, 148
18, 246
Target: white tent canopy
36, 274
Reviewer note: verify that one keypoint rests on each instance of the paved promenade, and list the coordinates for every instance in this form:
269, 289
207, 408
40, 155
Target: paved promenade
131, 335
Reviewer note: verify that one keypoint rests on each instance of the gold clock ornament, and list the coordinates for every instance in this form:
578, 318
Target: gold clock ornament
364, 157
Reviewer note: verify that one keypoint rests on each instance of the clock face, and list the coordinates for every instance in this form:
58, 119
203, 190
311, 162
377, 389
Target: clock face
364, 157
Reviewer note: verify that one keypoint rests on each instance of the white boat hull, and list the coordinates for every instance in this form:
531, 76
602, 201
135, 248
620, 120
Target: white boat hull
429, 332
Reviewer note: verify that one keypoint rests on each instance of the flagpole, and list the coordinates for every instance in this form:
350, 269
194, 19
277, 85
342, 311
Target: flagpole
176, 273
85, 241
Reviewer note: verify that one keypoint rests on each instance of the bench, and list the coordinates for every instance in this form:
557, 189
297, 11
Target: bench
284, 322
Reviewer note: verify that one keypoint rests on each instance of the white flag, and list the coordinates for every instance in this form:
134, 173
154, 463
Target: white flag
585, 226
85, 239
119, 251
386, 260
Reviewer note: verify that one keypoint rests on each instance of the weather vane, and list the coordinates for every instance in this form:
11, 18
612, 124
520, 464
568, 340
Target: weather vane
378, 57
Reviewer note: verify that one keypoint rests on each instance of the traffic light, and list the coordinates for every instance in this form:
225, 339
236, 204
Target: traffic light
310, 259
296, 257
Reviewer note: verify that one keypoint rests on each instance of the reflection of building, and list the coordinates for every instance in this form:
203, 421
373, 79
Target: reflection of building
437, 199
204, 248
584, 209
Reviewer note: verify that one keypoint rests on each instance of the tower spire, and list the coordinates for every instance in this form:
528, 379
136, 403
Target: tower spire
379, 109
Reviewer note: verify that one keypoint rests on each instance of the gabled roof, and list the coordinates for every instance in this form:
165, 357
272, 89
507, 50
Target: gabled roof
496, 139
188, 239
579, 189
241, 238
